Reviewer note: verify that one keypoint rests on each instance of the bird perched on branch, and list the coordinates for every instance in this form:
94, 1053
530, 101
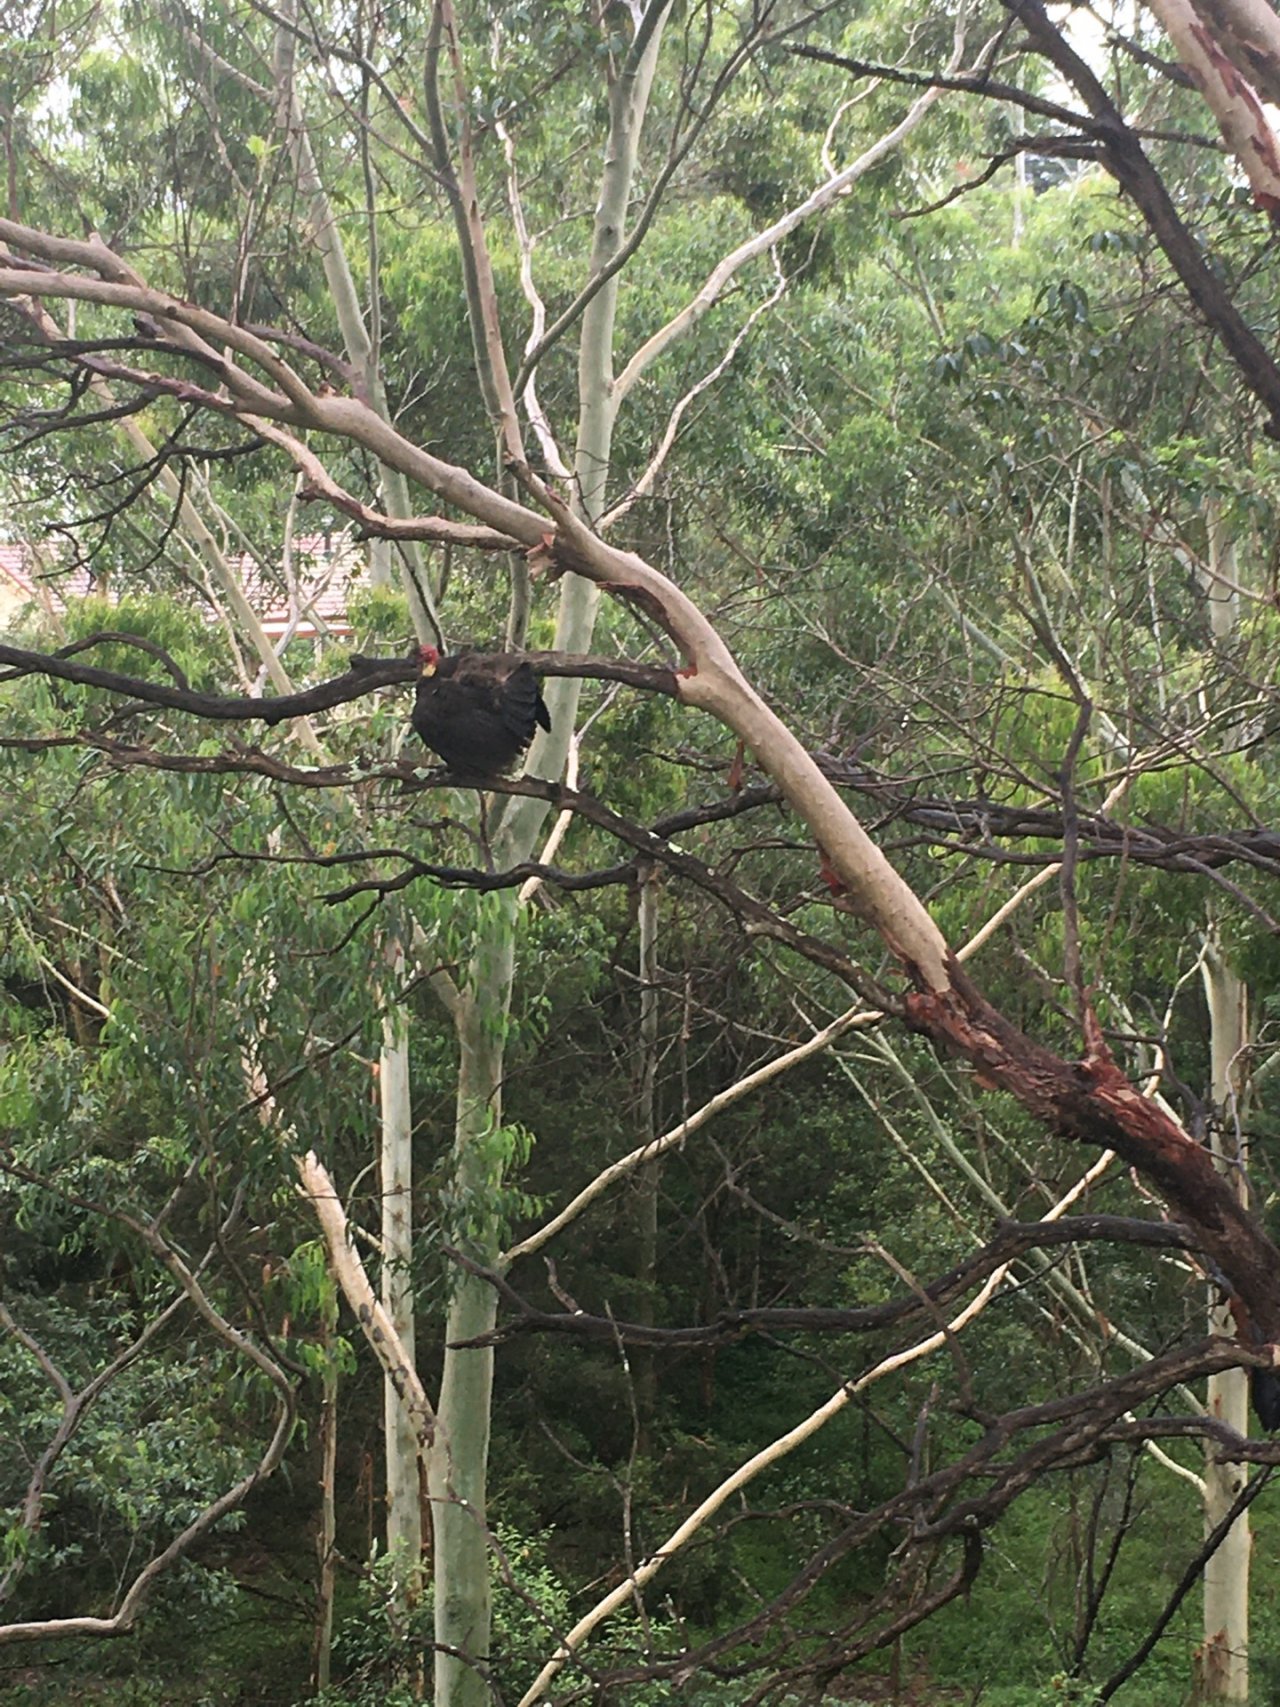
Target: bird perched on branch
477, 710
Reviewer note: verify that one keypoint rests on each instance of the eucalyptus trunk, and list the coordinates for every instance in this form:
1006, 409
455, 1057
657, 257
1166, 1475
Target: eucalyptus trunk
457, 1476
404, 1504
458, 1469
1223, 1666
327, 1531
1223, 1662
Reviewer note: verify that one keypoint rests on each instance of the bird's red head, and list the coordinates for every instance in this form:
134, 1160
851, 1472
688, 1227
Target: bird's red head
428, 658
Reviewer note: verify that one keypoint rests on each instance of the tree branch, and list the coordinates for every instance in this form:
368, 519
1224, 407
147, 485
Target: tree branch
1012, 1240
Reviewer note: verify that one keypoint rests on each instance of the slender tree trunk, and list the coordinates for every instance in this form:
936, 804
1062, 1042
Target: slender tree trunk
361, 347
457, 1473
649, 1176
404, 1505
404, 1511
1223, 1663
326, 1538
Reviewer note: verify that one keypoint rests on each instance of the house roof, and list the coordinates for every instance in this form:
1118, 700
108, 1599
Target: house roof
326, 567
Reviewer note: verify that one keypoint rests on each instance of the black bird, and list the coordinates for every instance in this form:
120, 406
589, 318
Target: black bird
478, 710
1264, 1390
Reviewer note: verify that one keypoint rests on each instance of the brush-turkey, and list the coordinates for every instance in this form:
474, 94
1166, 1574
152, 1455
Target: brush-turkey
478, 710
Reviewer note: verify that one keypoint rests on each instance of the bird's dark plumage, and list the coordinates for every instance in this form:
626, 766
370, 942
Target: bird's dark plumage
1264, 1390
478, 710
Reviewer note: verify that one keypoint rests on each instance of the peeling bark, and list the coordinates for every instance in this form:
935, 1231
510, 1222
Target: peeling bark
1232, 98
1249, 32
1091, 1101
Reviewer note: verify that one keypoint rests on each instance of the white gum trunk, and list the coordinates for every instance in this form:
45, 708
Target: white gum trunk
1223, 1664
457, 1471
404, 1505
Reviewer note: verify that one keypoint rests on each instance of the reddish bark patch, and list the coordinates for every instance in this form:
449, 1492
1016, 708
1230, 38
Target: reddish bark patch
830, 876
1092, 1102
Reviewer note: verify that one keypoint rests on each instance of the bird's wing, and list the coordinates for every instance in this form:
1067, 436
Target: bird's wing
520, 703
